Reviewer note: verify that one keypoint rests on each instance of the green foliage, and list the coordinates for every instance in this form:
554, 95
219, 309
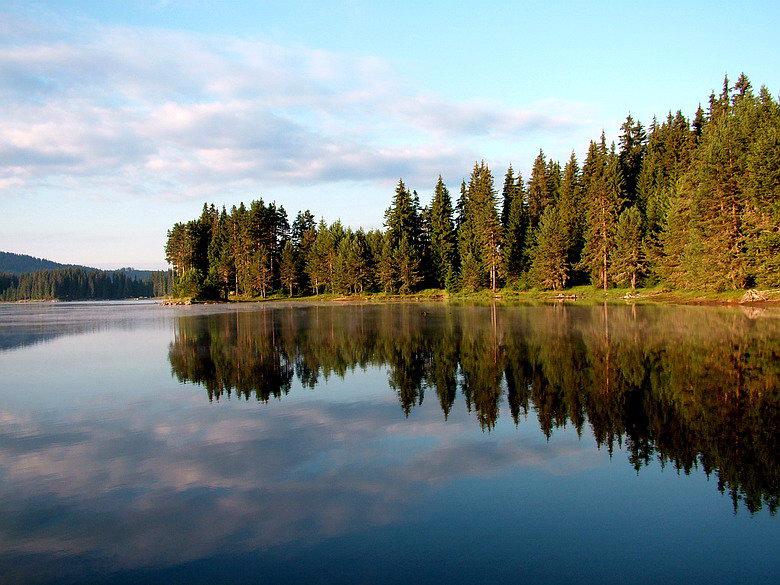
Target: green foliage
288, 267
550, 266
73, 284
514, 221
602, 194
688, 204
628, 258
540, 190
480, 236
189, 284
442, 234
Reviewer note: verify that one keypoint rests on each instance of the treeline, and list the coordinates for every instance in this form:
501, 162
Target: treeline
684, 203
74, 284
653, 380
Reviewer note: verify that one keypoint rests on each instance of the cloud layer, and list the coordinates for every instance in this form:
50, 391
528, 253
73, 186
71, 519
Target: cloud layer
151, 112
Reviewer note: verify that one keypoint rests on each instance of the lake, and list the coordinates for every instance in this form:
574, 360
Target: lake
388, 443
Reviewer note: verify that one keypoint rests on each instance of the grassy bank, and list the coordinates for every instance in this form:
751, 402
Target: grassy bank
580, 294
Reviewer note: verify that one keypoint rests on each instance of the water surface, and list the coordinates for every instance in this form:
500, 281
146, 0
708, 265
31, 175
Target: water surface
388, 443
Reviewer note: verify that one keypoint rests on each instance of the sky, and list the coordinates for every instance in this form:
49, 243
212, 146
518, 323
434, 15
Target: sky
118, 119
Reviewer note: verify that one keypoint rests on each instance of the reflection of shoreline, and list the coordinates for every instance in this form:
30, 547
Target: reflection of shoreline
681, 385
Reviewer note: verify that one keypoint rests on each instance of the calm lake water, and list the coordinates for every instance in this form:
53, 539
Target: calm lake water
403, 443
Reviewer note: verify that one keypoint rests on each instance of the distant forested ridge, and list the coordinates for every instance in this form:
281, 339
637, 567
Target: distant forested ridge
25, 277
11, 263
688, 203
75, 284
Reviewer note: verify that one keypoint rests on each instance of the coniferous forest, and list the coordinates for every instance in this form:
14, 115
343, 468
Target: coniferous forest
688, 203
76, 284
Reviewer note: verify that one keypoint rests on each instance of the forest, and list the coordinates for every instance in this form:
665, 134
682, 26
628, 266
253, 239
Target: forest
683, 203
77, 284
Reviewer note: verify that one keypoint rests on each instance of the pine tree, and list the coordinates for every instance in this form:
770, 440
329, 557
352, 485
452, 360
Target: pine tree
602, 201
480, 235
550, 266
404, 223
515, 227
628, 257
240, 243
539, 192
288, 267
352, 263
570, 211
317, 267
259, 276
402, 218
699, 122
632, 150
220, 257
508, 194
387, 268
408, 267
460, 207
442, 234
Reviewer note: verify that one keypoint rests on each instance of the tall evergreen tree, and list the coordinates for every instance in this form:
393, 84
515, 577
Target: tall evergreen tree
539, 193
515, 227
632, 150
480, 235
571, 212
628, 257
602, 200
403, 221
550, 266
288, 267
442, 235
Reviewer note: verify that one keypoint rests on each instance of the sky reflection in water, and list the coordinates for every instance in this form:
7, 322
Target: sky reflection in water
388, 443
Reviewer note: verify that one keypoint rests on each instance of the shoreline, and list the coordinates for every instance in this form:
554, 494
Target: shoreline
578, 296
741, 298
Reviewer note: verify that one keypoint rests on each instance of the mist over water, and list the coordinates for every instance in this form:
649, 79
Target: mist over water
388, 443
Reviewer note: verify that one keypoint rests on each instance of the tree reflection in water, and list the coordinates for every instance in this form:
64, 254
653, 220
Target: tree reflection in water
693, 387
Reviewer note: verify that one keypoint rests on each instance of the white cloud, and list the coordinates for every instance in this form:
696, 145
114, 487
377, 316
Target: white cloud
121, 110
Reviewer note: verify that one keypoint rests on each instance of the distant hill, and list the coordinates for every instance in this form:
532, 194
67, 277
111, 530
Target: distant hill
11, 263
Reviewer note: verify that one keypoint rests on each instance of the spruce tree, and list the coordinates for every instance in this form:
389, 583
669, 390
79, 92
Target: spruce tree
288, 267
317, 261
628, 257
508, 195
632, 150
570, 210
480, 236
407, 264
602, 201
404, 222
550, 266
539, 192
387, 266
515, 227
442, 234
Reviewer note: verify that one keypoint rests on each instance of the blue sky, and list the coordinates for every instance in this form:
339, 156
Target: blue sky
120, 118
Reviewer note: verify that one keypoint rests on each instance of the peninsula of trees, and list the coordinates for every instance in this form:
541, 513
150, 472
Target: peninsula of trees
688, 203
